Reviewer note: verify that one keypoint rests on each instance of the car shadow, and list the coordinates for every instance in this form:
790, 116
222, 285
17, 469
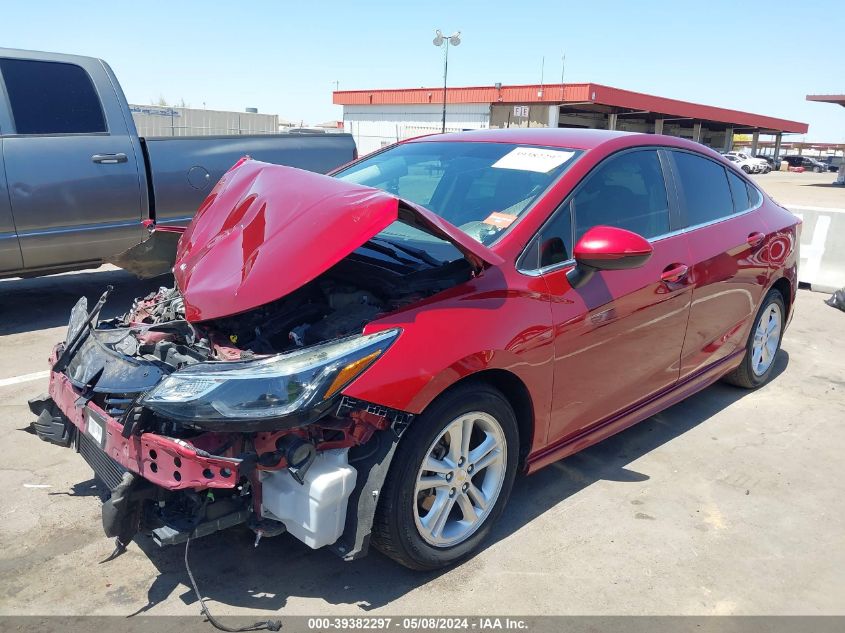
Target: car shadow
230, 571
827, 185
28, 305
608, 459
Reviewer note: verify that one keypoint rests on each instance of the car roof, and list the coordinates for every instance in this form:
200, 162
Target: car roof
570, 138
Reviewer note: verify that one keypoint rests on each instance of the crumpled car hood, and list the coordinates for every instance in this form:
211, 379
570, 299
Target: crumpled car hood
266, 230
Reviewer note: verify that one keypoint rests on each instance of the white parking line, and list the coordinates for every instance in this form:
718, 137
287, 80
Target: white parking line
14, 380
806, 208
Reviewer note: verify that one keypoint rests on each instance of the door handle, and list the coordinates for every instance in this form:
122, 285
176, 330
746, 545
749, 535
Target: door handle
754, 239
109, 159
674, 273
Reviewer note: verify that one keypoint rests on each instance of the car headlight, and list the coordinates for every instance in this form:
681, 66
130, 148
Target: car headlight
269, 387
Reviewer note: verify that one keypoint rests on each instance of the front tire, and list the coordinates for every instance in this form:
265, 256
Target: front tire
763, 344
449, 480
746, 169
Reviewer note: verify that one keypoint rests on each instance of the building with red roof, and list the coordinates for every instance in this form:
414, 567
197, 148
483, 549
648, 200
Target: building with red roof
379, 117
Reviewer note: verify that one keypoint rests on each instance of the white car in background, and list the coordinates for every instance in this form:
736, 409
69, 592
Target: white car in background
757, 165
745, 165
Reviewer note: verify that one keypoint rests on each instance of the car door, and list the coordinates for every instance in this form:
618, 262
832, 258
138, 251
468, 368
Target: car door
71, 163
10, 251
618, 338
728, 267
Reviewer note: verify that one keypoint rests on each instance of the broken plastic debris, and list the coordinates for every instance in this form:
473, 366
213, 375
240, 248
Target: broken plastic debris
837, 299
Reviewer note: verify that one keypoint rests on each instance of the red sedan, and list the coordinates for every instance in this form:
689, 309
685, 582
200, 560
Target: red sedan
373, 356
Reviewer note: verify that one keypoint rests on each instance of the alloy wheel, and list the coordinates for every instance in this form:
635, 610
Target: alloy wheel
766, 339
460, 479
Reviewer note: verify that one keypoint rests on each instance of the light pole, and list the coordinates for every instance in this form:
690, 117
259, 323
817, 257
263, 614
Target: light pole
440, 42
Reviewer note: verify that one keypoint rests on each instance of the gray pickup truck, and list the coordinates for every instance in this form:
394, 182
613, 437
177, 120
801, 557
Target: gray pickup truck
76, 180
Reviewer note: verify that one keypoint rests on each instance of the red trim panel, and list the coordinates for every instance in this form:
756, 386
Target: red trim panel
585, 93
838, 99
621, 421
167, 462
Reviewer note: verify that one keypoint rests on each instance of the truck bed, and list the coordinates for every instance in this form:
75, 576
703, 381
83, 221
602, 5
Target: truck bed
183, 169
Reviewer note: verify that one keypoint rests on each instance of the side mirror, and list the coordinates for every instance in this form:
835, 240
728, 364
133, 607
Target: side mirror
607, 248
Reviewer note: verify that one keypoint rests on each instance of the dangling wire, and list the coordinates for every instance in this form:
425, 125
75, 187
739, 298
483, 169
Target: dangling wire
267, 625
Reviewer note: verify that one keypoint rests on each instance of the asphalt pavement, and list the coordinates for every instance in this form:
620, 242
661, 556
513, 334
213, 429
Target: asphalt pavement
727, 503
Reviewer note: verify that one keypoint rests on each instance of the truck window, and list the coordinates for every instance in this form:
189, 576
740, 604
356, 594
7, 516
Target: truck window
51, 98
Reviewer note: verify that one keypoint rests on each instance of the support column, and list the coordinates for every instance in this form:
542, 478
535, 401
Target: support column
696, 132
777, 144
729, 139
755, 138
611, 121
658, 126
554, 115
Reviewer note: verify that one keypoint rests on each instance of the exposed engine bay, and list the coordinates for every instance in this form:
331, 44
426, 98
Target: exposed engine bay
340, 302
278, 446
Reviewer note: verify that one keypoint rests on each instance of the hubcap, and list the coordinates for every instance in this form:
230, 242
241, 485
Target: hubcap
766, 340
460, 479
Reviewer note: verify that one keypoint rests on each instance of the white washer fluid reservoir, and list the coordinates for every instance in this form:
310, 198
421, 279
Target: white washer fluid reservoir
314, 512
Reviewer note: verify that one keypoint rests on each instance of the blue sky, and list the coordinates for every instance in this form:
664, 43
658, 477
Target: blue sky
284, 57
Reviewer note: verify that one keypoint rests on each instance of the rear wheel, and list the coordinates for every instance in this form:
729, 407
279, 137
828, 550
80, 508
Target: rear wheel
449, 480
762, 346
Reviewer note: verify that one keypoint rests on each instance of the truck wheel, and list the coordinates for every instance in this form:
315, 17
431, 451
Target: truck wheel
762, 346
746, 169
449, 480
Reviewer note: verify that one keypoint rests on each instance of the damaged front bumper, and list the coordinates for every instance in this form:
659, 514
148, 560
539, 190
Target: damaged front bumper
176, 488
170, 463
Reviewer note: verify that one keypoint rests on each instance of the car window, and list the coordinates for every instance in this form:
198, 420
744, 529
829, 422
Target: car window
51, 98
552, 244
625, 191
704, 187
739, 192
482, 188
754, 195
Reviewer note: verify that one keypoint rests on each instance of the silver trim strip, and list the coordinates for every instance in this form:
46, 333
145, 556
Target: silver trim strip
165, 221
83, 227
569, 262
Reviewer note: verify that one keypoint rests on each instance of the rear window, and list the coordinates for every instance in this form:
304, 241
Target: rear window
739, 191
755, 198
705, 189
51, 98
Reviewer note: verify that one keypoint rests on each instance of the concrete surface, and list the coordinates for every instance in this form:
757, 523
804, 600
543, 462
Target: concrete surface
821, 206
790, 188
728, 503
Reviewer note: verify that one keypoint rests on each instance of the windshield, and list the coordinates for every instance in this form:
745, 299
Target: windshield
482, 188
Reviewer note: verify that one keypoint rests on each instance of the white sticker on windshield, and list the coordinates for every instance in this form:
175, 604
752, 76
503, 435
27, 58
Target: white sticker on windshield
533, 159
